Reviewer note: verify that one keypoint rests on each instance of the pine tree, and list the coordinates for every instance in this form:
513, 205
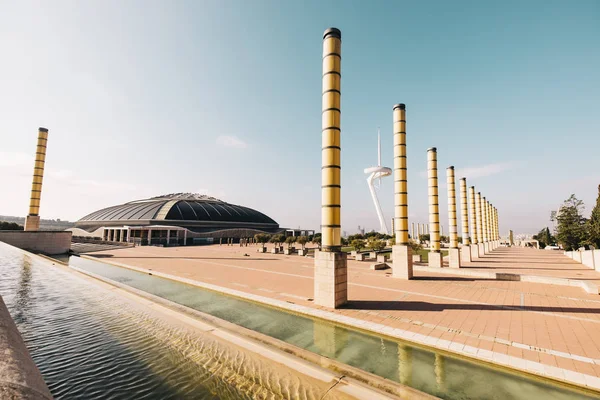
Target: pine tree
571, 225
594, 224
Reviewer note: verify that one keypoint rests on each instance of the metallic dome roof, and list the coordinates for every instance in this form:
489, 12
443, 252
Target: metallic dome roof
188, 207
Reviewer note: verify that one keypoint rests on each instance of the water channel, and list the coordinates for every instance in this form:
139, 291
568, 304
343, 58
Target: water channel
440, 375
92, 344
89, 344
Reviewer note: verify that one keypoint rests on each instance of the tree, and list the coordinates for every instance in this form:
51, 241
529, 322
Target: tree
424, 238
302, 240
444, 239
545, 238
10, 226
290, 240
275, 239
594, 224
375, 244
262, 238
357, 236
414, 246
317, 240
571, 225
357, 244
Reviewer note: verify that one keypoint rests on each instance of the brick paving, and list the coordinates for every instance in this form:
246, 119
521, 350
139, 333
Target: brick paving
557, 326
529, 261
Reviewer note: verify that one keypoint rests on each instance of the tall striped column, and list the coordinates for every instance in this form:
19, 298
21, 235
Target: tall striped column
401, 253
331, 146
479, 210
496, 221
498, 225
400, 175
435, 256
465, 252
453, 251
484, 224
496, 238
32, 222
473, 213
331, 274
491, 224
490, 231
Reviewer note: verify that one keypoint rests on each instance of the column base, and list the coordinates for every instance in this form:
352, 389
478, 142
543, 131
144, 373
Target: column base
435, 259
331, 279
481, 249
486, 247
32, 223
454, 258
465, 253
402, 262
474, 251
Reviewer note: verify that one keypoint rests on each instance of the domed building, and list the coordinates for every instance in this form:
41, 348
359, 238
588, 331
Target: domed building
180, 218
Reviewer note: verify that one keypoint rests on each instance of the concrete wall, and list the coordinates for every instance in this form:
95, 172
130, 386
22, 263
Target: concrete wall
45, 242
589, 258
19, 376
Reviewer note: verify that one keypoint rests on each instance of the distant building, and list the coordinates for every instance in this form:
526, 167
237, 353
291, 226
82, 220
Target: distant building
181, 218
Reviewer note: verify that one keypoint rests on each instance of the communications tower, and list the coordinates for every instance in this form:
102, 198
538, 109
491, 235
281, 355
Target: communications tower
375, 174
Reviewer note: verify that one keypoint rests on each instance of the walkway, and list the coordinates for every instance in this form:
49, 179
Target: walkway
557, 326
528, 261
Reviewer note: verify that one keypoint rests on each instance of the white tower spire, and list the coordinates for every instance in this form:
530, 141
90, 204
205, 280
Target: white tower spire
378, 172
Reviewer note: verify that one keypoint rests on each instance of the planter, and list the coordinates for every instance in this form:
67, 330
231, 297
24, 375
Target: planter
373, 254
302, 252
360, 257
382, 258
288, 251
262, 250
275, 250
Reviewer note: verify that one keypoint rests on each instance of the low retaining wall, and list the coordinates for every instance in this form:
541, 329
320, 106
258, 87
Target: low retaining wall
589, 258
19, 376
45, 242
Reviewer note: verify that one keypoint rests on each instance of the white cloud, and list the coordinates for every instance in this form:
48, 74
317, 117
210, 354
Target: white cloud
485, 170
479, 171
15, 159
231, 141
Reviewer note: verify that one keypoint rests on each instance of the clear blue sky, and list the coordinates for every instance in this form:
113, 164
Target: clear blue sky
224, 97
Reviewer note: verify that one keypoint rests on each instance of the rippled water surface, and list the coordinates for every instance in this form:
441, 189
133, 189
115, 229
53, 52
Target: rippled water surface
91, 344
437, 374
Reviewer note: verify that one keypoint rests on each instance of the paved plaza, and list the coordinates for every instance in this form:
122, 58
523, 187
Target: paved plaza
553, 325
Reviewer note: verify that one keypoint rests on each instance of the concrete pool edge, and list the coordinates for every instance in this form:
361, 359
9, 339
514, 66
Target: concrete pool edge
343, 378
19, 375
555, 375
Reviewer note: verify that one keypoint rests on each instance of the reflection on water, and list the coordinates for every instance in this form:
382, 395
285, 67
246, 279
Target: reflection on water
443, 376
91, 344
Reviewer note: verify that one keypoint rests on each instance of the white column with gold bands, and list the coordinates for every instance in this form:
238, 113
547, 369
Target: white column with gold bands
32, 222
465, 250
473, 215
453, 251
484, 224
331, 273
331, 144
479, 216
401, 253
435, 256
